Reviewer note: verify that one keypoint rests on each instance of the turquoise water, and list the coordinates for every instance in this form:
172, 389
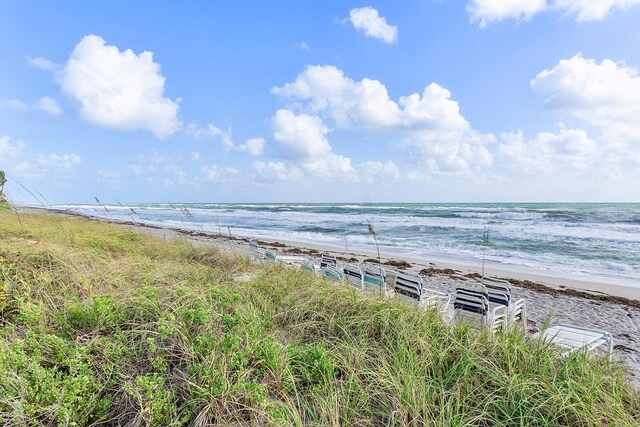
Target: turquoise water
599, 240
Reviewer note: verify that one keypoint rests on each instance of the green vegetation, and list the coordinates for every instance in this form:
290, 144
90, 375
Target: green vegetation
3, 181
100, 325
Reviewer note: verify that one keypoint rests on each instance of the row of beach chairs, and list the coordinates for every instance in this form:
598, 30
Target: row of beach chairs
488, 303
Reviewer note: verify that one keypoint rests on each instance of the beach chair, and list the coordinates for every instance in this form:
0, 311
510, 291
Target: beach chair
308, 265
499, 292
576, 338
327, 260
374, 279
256, 251
332, 273
471, 303
411, 287
271, 256
353, 274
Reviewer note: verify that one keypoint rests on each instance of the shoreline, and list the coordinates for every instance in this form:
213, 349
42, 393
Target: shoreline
541, 281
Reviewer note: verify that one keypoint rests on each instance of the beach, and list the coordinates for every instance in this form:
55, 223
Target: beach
557, 300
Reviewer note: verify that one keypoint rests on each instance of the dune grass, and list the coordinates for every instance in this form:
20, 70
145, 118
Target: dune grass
100, 325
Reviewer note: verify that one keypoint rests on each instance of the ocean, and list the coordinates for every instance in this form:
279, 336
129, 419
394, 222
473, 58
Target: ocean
599, 242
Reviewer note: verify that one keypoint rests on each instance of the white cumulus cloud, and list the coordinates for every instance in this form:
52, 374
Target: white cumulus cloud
369, 21
302, 139
603, 97
486, 11
592, 10
9, 151
253, 146
602, 93
275, 171
430, 124
565, 151
212, 131
215, 173
118, 89
373, 171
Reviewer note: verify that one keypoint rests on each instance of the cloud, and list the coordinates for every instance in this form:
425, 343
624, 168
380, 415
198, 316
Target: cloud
602, 97
120, 90
366, 104
215, 173
602, 94
212, 131
275, 171
48, 105
253, 146
43, 63
301, 139
566, 151
487, 11
367, 20
56, 161
429, 124
303, 46
592, 10
371, 172
195, 156
10, 151
16, 161
14, 104
45, 104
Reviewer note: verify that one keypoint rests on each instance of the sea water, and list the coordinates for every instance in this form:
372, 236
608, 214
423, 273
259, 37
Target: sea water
599, 242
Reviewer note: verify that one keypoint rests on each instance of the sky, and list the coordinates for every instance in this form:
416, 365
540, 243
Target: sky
320, 101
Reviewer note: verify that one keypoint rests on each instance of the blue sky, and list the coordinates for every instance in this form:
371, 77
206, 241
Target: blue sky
519, 100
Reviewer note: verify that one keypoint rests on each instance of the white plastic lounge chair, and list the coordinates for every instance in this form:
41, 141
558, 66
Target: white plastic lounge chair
271, 256
411, 287
328, 260
576, 338
308, 265
374, 279
353, 274
499, 292
332, 273
256, 251
291, 259
472, 303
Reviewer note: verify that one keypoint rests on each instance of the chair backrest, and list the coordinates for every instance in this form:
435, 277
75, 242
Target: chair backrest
332, 273
409, 285
374, 276
353, 274
308, 265
498, 291
390, 279
328, 260
271, 255
254, 248
471, 298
